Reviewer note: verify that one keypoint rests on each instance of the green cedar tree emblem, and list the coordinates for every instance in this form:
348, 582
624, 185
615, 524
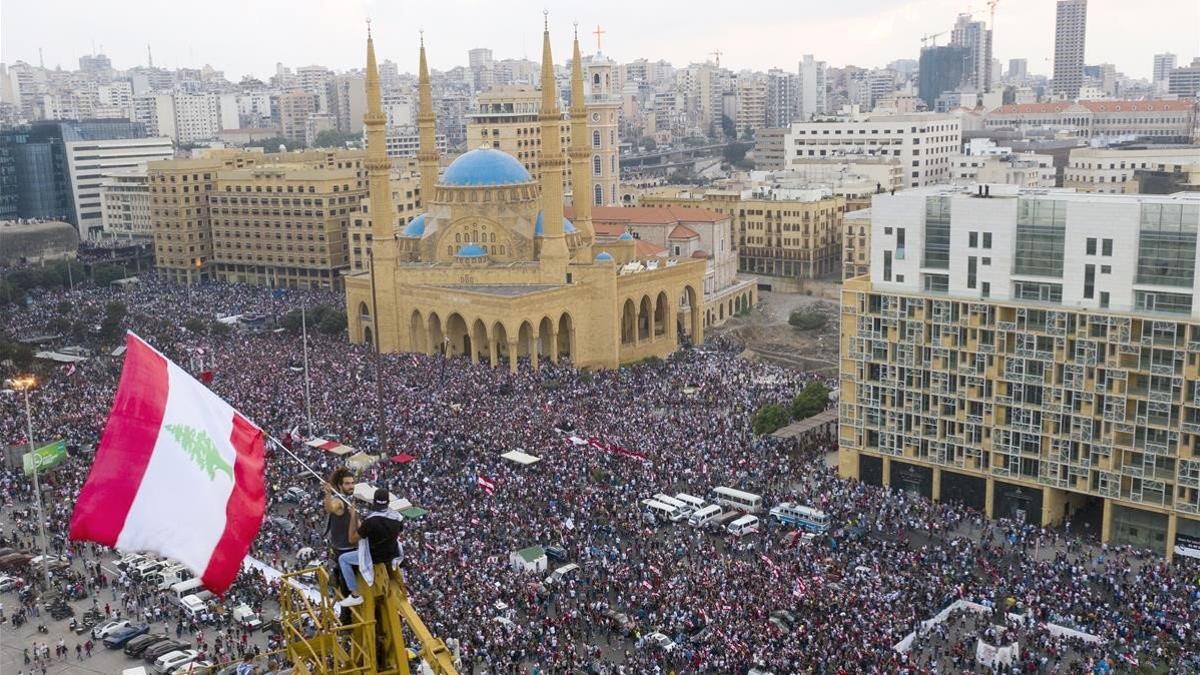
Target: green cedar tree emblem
201, 449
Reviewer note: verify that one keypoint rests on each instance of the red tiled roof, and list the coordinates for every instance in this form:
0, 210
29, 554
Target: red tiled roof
1094, 106
613, 230
682, 232
649, 215
645, 249
700, 254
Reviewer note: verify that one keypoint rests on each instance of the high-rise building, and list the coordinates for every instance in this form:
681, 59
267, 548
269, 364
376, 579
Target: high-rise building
942, 70
1163, 65
1070, 37
293, 108
810, 98
751, 103
1032, 355
125, 204
976, 38
348, 102
1018, 69
781, 97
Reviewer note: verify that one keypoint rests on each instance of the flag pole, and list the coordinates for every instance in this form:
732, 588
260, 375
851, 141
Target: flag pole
307, 468
307, 388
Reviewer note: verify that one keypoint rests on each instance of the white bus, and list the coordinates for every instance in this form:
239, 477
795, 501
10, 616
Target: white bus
803, 517
743, 525
705, 516
695, 502
683, 508
737, 499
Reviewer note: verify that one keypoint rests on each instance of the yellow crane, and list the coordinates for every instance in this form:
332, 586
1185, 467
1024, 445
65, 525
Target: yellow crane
931, 36
372, 642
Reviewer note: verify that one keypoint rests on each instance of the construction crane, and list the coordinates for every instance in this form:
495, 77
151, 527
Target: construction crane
992, 8
933, 37
370, 643
717, 53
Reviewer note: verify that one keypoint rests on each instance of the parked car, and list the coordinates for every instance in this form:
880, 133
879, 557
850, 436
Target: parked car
9, 583
195, 668
171, 660
119, 638
555, 553
54, 562
246, 618
141, 643
294, 495
282, 523
165, 647
109, 627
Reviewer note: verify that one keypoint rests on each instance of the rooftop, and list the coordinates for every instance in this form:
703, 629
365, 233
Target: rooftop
1094, 106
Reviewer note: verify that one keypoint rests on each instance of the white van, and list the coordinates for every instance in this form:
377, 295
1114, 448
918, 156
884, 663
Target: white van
192, 605
683, 510
744, 525
694, 502
705, 515
561, 573
661, 512
184, 588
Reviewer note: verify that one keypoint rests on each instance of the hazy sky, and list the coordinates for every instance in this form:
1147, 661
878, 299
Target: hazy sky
250, 36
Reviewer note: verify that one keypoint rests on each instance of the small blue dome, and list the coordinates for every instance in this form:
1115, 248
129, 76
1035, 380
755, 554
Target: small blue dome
471, 251
604, 257
485, 166
568, 226
416, 228
625, 236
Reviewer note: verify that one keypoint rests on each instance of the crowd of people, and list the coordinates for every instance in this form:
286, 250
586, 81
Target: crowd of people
890, 561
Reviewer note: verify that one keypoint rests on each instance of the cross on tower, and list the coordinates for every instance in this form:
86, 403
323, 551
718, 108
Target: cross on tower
598, 32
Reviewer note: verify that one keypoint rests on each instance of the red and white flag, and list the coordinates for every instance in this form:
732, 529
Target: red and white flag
178, 472
488, 485
70, 369
800, 589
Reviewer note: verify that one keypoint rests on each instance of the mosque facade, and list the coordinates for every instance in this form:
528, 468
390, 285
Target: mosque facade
492, 270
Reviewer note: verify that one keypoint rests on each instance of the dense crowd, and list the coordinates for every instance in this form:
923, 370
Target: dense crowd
890, 561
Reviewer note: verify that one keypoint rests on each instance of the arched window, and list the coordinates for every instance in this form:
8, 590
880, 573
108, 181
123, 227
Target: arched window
599, 195
596, 165
596, 80
614, 165
595, 139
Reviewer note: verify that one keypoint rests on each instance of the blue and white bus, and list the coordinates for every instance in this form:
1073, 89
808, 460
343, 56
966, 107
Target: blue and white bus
803, 517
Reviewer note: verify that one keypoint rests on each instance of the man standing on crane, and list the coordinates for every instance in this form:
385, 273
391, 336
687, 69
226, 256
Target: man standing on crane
337, 506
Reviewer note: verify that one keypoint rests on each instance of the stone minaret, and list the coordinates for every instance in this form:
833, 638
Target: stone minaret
554, 243
427, 154
581, 195
383, 212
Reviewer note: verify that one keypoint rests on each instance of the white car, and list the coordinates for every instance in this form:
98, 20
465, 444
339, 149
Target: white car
109, 627
172, 660
8, 583
194, 668
661, 641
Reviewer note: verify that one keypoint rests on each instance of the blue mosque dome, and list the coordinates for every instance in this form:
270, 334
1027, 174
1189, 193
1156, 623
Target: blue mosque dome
471, 251
485, 166
625, 236
604, 257
568, 226
415, 228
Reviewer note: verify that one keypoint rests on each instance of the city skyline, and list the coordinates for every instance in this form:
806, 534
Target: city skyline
889, 31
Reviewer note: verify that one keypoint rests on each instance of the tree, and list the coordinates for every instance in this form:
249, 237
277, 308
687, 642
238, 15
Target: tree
332, 138
649, 144
807, 318
333, 322
194, 324
103, 275
769, 418
216, 328
735, 152
291, 321
272, 144
810, 401
728, 127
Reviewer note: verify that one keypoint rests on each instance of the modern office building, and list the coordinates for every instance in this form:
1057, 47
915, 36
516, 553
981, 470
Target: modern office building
976, 38
1031, 354
1070, 38
922, 143
268, 219
90, 163
1163, 65
1185, 81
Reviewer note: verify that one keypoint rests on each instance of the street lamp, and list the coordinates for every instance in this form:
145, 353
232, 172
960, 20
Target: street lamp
24, 384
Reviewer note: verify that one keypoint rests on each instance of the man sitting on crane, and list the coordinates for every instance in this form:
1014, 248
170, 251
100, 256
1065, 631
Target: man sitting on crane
376, 536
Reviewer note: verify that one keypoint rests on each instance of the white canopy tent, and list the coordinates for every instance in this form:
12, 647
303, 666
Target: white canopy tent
521, 457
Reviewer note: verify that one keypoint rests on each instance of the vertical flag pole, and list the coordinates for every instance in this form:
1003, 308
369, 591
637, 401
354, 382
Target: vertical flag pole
307, 387
37, 488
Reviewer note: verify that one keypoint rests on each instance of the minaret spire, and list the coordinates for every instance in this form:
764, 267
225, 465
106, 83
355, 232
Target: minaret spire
427, 153
382, 211
581, 192
554, 244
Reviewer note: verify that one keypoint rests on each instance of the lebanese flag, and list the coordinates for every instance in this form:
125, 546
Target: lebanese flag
178, 472
488, 485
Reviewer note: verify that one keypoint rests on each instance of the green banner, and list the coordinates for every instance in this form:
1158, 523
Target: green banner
46, 457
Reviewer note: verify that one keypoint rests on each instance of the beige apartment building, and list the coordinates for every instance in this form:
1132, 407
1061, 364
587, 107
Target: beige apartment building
856, 243
406, 199
780, 236
1112, 170
1032, 354
215, 217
